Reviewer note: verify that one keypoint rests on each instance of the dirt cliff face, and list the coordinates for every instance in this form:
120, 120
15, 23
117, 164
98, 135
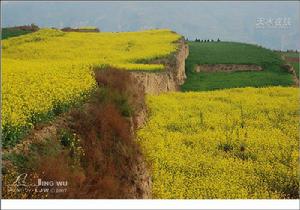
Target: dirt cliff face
288, 67
155, 83
163, 81
171, 78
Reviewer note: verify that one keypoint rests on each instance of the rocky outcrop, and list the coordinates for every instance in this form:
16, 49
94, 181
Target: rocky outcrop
171, 78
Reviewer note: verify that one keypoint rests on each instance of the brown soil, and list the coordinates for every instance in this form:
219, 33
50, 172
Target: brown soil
227, 67
291, 59
171, 78
111, 164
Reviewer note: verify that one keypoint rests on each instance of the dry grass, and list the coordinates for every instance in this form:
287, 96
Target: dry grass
96, 152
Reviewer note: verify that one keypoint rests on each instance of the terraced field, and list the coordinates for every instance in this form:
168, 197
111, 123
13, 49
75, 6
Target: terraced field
233, 53
47, 71
241, 142
235, 143
201, 143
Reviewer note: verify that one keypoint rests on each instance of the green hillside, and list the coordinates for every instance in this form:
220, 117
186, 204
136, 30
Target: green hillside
233, 53
12, 32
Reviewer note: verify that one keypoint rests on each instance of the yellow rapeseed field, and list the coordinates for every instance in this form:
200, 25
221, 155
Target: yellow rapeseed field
235, 143
45, 71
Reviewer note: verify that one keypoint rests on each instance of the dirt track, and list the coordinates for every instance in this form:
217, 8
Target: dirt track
292, 60
227, 67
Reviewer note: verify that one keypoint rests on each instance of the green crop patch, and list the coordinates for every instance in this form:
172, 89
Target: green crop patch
233, 53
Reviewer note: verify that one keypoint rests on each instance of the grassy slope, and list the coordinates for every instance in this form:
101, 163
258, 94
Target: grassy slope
291, 54
7, 33
233, 53
296, 67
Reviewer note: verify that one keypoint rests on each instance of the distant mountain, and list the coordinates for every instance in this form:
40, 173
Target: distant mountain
232, 21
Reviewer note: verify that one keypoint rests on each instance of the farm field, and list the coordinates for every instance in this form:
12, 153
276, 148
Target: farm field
8, 33
201, 143
235, 143
291, 54
47, 71
233, 53
189, 101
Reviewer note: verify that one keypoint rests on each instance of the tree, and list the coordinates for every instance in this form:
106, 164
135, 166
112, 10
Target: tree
34, 27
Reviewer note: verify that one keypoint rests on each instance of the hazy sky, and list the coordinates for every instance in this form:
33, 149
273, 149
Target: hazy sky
271, 24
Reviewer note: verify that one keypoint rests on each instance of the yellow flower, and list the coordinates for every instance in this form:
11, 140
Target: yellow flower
50, 68
235, 143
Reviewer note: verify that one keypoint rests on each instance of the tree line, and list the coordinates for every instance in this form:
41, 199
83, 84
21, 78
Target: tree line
205, 40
